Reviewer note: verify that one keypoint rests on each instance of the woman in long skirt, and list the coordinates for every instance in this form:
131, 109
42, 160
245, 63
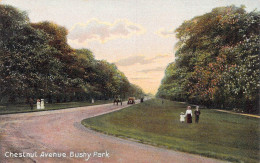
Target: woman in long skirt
189, 114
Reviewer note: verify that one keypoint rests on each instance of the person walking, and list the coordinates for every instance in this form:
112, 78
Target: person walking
188, 114
31, 103
197, 114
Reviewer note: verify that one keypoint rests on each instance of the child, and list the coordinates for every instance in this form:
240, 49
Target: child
182, 117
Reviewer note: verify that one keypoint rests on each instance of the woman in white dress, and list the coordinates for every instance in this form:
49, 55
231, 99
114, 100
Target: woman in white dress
188, 114
38, 104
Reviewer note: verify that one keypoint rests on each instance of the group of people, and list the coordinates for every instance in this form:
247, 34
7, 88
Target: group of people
39, 103
188, 115
118, 100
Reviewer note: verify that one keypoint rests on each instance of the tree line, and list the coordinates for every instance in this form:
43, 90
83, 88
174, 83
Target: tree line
37, 62
217, 60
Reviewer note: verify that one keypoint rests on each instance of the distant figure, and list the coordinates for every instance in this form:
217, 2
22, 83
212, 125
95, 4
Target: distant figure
31, 103
182, 117
42, 104
117, 100
38, 104
188, 114
197, 114
162, 101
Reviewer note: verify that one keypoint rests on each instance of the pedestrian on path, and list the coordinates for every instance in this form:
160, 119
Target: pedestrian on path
38, 104
31, 103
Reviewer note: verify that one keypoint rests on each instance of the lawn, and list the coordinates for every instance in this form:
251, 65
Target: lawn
23, 108
219, 135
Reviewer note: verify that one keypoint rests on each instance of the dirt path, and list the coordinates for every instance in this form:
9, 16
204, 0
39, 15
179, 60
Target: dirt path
60, 131
248, 115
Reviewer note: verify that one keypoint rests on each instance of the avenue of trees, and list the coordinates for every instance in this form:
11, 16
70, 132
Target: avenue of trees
37, 62
217, 61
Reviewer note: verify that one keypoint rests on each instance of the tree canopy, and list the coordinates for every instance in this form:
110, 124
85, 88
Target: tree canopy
36, 61
217, 60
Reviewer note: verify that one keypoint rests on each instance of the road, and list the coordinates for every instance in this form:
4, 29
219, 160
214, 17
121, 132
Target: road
60, 132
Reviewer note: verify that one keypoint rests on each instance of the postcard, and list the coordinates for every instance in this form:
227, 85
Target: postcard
126, 81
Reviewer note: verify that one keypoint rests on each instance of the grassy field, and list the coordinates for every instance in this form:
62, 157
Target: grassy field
219, 135
23, 108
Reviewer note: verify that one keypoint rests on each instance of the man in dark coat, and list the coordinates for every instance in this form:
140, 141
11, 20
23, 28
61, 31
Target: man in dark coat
197, 114
31, 103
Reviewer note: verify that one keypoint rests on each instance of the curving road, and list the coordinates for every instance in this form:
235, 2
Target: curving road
60, 132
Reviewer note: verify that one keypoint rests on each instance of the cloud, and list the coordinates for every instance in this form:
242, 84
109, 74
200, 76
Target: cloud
141, 78
96, 30
153, 69
165, 33
132, 60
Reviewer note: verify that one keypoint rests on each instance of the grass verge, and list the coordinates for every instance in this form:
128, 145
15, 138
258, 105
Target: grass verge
24, 108
218, 135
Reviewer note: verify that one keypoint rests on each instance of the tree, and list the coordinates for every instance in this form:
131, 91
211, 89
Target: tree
28, 67
218, 59
36, 61
57, 36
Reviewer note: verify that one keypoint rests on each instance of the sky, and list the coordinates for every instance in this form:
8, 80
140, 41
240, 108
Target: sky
137, 35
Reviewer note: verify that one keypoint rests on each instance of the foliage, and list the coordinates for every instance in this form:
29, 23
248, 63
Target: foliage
27, 64
36, 61
217, 60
